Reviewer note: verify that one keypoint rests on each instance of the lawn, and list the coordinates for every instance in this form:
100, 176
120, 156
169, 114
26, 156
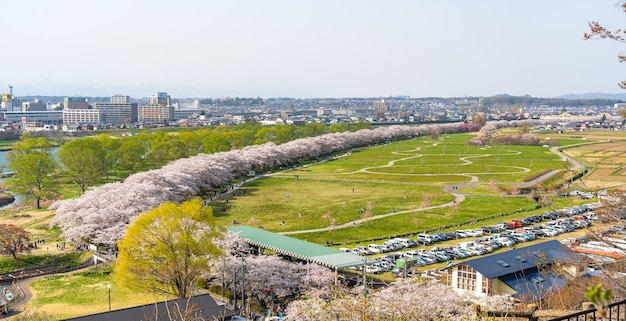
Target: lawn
82, 293
400, 176
470, 211
8, 264
269, 201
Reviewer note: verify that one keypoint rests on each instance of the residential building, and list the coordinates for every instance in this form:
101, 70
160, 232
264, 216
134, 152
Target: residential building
380, 107
158, 110
83, 116
155, 114
75, 103
160, 98
119, 110
36, 105
523, 272
120, 99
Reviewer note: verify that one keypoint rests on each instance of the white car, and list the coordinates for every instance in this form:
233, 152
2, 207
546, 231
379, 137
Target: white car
505, 241
363, 250
549, 232
372, 269
374, 248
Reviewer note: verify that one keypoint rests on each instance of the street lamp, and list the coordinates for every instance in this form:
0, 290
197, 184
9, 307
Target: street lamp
299, 217
109, 287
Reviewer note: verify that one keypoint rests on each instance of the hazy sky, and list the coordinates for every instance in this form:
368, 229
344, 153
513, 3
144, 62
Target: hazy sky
318, 48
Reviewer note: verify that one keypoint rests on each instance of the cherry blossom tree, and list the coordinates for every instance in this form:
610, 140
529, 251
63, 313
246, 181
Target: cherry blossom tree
13, 240
402, 300
267, 277
102, 213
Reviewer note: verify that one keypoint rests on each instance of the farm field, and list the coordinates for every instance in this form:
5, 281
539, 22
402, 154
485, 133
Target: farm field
394, 189
605, 153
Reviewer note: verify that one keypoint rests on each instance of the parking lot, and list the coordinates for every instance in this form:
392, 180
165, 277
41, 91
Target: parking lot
405, 256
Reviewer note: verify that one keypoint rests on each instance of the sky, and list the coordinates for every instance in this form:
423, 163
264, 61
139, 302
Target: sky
308, 49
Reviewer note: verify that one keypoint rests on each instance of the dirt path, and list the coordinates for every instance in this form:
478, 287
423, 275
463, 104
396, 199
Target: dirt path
451, 188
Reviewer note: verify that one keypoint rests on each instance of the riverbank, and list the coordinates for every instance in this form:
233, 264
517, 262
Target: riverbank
6, 199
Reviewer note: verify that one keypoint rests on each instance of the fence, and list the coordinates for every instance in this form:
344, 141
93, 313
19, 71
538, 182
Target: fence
613, 311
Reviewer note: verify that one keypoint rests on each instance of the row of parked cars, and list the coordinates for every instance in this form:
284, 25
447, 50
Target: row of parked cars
486, 240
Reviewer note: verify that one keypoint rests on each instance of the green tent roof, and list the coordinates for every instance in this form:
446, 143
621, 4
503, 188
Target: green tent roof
302, 250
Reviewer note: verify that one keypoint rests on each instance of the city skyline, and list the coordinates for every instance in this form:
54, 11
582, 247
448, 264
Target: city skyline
308, 49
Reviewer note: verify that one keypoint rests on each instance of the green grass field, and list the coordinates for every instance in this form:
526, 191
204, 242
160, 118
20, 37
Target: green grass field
82, 293
405, 176
269, 201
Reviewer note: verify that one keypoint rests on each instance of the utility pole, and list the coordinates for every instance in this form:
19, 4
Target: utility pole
235, 289
223, 278
243, 283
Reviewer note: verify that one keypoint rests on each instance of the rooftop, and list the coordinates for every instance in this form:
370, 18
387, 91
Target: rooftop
302, 250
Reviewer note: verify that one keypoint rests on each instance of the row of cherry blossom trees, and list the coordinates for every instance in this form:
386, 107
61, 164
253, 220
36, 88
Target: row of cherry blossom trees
270, 279
402, 300
102, 214
265, 279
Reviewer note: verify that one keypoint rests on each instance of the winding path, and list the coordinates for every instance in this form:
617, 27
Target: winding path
450, 188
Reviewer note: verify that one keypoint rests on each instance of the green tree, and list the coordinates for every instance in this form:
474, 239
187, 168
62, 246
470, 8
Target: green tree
215, 141
130, 154
83, 161
109, 145
161, 149
241, 138
192, 143
284, 133
264, 135
311, 130
33, 164
168, 249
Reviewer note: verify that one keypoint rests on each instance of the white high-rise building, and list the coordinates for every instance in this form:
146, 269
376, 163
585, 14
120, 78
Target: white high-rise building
120, 99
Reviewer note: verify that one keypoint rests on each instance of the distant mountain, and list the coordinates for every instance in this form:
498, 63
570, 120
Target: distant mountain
621, 96
55, 88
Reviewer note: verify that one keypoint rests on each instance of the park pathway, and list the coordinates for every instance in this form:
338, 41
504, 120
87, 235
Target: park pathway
452, 189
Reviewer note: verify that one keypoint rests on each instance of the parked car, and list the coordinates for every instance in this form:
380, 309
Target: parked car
549, 216
534, 218
372, 269
393, 245
443, 236
461, 233
391, 257
423, 240
516, 223
505, 241
374, 248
